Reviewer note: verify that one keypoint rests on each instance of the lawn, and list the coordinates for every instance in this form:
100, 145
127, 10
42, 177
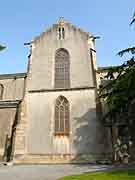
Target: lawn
114, 175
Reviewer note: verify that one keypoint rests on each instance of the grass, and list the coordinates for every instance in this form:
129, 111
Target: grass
114, 175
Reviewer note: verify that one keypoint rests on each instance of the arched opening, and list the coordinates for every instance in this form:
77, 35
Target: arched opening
62, 69
62, 116
62, 126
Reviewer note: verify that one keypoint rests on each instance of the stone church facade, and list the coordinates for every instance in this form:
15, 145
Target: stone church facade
50, 114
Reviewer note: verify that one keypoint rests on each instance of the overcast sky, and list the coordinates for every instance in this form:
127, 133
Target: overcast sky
20, 21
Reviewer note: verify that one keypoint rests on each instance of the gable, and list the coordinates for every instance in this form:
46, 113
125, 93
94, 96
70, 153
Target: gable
62, 23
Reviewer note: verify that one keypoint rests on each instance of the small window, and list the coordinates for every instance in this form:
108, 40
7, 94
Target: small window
61, 33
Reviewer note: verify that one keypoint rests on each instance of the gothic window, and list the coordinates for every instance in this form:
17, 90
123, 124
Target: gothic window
1, 91
62, 69
61, 116
61, 33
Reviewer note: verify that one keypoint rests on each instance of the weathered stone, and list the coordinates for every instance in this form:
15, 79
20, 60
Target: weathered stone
31, 130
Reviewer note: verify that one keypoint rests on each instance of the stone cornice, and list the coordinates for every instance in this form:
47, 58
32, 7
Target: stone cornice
13, 76
63, 89
9, 103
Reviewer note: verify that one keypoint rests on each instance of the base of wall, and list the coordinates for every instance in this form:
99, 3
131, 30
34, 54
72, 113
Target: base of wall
60, 159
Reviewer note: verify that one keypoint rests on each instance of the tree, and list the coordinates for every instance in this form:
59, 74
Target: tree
119, 93
2, 47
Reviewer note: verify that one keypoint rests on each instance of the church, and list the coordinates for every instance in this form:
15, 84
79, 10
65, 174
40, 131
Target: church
50, 114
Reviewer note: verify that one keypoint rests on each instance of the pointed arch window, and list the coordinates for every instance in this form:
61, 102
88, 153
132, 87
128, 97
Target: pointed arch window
62, 69
62, 116
1, 91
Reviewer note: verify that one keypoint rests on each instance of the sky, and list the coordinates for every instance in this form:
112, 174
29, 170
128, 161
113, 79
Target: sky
20, 21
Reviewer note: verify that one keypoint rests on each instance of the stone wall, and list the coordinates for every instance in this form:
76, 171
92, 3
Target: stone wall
7, 118
43, 58
13, 86
13, 92
87, 134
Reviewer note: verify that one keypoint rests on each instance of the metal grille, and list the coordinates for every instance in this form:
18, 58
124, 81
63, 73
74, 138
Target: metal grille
62, 69
62, 116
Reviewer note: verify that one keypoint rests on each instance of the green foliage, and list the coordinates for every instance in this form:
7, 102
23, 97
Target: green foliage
121, 149
133, 19
119, 93
2, 47
114, 175
128, 50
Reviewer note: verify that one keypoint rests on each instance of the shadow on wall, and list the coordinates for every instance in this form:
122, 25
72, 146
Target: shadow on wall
90, 138
9, 142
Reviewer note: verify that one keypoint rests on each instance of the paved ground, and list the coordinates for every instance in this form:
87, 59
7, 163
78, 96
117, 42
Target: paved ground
45, 172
